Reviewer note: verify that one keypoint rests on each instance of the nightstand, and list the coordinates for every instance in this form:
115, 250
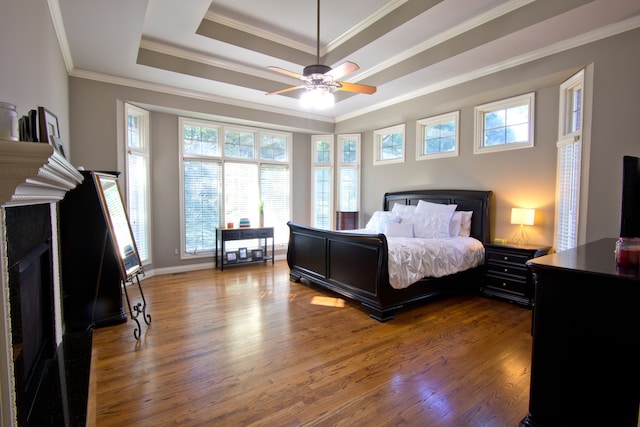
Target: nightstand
506, 274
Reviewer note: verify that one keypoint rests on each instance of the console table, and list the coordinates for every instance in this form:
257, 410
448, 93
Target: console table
585, 362
224, 235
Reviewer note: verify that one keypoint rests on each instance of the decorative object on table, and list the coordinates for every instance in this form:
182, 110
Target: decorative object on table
48, 125
244, 223
261, 214
8, 122
257, 254
229, 225
232, 256
522, 217
628, 252
242, 253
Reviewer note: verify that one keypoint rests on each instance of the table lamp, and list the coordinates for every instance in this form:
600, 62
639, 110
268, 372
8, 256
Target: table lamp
522, 217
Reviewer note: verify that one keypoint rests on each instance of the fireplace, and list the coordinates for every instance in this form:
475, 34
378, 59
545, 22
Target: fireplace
31, 300
33, 179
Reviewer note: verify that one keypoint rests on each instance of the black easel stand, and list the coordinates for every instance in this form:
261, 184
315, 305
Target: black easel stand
139, 308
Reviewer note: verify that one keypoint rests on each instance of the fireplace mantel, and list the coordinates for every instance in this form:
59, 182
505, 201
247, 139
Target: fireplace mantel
31, 173
34, 172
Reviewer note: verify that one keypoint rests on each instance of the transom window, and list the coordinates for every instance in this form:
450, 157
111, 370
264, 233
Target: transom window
222, 182
505, 125
389, 145
438, 136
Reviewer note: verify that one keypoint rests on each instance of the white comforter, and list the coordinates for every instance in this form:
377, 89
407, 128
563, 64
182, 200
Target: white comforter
411, 259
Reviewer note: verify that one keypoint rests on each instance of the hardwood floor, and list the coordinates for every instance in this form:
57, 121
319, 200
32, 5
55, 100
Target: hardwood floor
247, 347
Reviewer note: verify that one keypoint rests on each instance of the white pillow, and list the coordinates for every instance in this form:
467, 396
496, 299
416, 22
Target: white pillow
434, 225
402, 209
465, 224
454, 225
394, 229
377, 220
424, 207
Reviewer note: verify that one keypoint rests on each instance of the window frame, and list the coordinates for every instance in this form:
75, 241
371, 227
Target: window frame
569, 176
342, 166
221, 157
145, 153
329, 168
378, 136
481, 111
421, 128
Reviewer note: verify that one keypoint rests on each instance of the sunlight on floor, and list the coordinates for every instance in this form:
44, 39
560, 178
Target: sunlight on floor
327, 301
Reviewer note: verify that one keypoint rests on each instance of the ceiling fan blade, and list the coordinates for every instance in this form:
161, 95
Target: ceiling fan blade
355, 87
288, 89
283, 71
342, 70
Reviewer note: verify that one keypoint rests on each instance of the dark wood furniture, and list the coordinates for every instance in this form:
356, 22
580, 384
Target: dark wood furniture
347, 220
90, 268
585, 362
224, 235
355, 265
506, 273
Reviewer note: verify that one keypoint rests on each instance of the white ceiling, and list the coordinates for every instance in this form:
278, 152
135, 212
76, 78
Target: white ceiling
220, 50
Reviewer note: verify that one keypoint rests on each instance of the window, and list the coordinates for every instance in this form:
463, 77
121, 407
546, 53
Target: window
322, 181
349, 173
437, 136
569, 162
227, 171
505, 125
389, 145
137, 179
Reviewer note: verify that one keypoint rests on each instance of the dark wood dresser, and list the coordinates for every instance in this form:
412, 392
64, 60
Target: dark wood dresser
585, 361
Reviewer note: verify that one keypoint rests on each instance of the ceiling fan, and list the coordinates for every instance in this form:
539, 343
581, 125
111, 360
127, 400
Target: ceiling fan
318, 78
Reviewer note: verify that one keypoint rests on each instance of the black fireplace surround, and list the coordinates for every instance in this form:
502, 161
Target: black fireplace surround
51, 382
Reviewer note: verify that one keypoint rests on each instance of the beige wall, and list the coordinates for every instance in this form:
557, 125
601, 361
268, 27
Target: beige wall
32, 69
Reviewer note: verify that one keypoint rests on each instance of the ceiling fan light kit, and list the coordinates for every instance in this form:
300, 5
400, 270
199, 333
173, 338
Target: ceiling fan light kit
320, 81
318, 98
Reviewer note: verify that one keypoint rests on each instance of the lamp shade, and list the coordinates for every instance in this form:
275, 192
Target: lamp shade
522, 216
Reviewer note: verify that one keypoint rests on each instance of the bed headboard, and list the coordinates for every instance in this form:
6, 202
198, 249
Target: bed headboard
467, 200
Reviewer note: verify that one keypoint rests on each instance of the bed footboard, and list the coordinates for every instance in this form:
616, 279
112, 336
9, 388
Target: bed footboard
353, 265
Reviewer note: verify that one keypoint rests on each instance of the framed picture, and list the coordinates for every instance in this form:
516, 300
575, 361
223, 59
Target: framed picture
256, 254
48, 125
232, 256
242, 253
57, 144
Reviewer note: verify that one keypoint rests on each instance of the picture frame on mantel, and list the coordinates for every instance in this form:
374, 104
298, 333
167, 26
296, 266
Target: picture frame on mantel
58, 145
48, 125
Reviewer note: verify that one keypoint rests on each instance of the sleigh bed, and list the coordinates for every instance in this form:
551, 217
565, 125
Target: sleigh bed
356, 264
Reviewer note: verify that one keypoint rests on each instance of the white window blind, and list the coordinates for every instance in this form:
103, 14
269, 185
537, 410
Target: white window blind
202, 204
568, 191
569, 162
322, 197
322, 181
275, 196
223, 182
